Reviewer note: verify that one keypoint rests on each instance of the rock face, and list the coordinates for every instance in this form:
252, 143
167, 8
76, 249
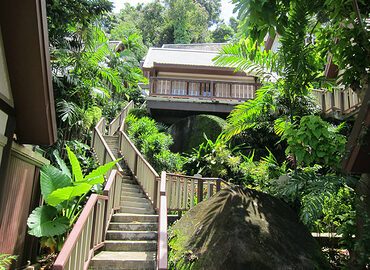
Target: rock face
188, 132
243, 229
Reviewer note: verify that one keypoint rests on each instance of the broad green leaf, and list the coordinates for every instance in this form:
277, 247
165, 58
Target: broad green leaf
43, 221
101, 170
317, 133
52, 179
96, 180
76, 168
68, 193
62, 164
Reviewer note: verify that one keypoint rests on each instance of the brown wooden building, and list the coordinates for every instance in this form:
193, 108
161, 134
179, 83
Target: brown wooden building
27, 117
184, 80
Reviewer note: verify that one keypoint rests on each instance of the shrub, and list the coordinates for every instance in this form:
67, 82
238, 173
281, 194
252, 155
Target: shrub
153, 144
315, 141
140, 129
168, 161
139, 112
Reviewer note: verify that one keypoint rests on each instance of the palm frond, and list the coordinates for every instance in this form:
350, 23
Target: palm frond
68, 112
249, 57
248, 114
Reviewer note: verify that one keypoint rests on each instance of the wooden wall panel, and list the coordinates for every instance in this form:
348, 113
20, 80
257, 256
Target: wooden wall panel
16, 200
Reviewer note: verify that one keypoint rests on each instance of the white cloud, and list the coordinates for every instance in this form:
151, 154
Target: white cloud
226, 9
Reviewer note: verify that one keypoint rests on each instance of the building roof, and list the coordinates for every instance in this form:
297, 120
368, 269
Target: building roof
29, 70
212, 47
183, 57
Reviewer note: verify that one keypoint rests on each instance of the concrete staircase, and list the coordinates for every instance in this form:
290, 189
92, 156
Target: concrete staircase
131, 239
112, 142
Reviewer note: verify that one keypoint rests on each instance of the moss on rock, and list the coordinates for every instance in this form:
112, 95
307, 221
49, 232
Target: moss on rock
188, 133
243, 229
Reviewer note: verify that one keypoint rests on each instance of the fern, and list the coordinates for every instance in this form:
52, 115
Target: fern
248, 114
6, 260
251, 58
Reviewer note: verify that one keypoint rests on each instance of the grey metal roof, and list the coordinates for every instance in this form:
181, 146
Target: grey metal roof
212, 47
188, 57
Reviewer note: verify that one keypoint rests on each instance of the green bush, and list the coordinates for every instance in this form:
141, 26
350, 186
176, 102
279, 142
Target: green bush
140, 129
153, 144
139, 112
168, 161
314, 141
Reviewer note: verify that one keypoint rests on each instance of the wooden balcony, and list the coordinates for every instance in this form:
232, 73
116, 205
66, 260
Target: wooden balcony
177, 98
339, 103
202, 89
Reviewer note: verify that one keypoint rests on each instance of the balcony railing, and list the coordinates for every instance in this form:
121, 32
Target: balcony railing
338, 101
202, 88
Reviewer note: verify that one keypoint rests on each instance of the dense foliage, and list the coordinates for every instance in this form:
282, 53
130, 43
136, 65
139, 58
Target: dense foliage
153, 144
88, 73
309, 178
173, 21
64, 190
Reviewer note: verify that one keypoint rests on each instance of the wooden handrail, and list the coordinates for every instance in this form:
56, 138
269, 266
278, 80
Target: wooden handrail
126, 110
162, 250
88, 233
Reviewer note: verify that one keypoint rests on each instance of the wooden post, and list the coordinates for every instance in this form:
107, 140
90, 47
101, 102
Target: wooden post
323, 101
231, 89
135, 164
332, 101
218, 185
187, 88
155, 192
342, 102
200, 190
104, 157
105, 220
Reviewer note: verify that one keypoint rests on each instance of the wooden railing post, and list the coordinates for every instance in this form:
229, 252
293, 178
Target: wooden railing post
342, 102
162, 249
155, 192
200, 190
323, 101
218, 185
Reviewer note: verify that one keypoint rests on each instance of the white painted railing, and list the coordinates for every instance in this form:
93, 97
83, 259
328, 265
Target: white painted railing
341, 101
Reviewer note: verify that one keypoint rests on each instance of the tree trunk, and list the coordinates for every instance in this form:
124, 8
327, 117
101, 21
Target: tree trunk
361, 252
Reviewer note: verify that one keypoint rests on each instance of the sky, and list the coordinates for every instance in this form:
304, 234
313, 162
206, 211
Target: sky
226, 9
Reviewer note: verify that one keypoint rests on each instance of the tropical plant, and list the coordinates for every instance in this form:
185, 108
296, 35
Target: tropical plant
64, 191
154, 145
6, 260
314, 141
215, 159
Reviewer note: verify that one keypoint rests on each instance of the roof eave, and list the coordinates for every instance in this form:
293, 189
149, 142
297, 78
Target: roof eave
25, 38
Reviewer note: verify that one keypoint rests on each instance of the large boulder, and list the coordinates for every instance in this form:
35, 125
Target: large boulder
243, 229
188, 133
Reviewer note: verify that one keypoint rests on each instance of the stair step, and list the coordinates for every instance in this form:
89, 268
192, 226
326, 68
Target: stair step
123, 260
131, 235
130, 185
137, 203
132, 194
126, 198
121, 217
131, 189
128, 245
115, 226
135, 210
